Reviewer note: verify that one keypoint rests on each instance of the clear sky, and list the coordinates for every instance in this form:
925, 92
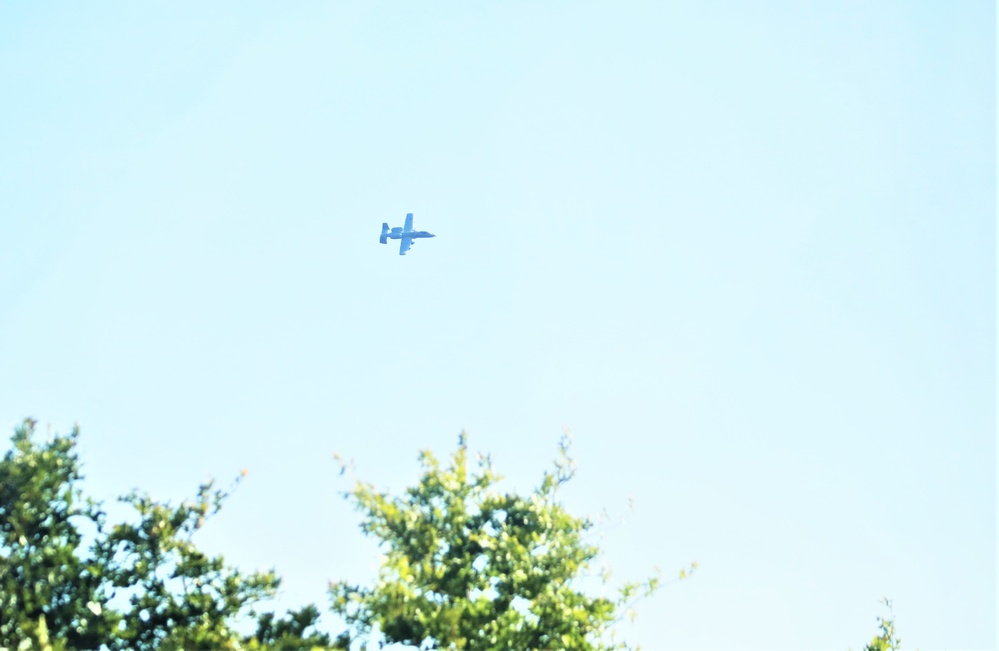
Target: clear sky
744, 250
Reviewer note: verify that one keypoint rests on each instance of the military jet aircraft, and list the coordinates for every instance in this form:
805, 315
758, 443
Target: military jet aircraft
406, 234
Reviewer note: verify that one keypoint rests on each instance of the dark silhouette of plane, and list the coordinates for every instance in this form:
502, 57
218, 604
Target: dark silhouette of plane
406, 234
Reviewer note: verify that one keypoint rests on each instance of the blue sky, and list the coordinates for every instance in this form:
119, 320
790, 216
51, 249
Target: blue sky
744, 250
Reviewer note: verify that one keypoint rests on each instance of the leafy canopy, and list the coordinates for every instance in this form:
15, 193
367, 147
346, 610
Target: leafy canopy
46, 587
469, 567
885, 640
69, 580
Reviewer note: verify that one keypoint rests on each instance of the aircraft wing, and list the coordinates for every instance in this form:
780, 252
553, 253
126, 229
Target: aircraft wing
409, 223
405, 242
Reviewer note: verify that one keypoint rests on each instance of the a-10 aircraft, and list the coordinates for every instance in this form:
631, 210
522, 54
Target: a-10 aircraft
406, 234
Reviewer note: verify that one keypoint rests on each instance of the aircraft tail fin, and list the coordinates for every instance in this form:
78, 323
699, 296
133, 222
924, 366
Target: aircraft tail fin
385, 230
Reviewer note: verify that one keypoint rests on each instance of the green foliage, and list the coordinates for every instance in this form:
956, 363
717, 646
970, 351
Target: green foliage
886, 639
292, 633
136, 585
47, 590
467, 567
180, 598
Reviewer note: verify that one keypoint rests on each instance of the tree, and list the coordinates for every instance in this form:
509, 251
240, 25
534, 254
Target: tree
297, 630
46, 588
886, 639
136, 585
179, 597
468, 567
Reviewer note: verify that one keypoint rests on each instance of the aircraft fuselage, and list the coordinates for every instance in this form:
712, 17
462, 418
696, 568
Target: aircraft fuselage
396, 234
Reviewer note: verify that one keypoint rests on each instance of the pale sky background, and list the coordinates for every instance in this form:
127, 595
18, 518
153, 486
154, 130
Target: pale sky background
744, 250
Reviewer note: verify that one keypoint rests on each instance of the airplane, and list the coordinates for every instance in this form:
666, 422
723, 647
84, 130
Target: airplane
406, 234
